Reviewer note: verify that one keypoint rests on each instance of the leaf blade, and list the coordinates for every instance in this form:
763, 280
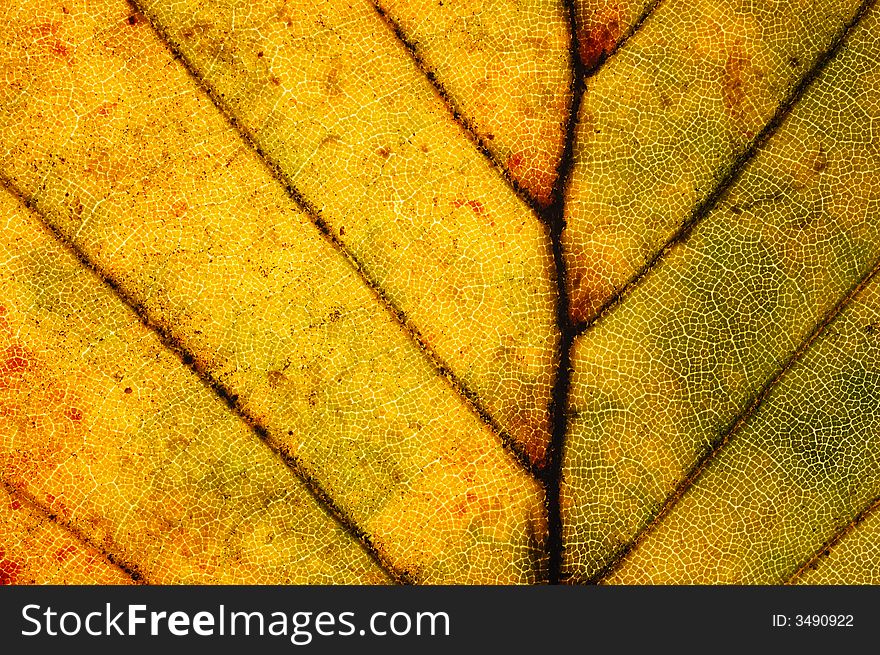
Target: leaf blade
143, 176
699, 337
376, 153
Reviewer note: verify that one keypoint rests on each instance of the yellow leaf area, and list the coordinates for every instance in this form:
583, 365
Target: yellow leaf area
724, 417
669, 117
337, 107
105, 430
482, 51
114, 146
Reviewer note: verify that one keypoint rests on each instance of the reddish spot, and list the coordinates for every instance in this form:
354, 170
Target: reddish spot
179, 208
597, 41
383, 152
541, 186
531, 431
16, 360
45, 29
9, 571
475, 205
74, 414
106, 108
60, 48
15, 504
733, 92
539, 183
50, 498
275, 80
127, 390
64, 554
589, 289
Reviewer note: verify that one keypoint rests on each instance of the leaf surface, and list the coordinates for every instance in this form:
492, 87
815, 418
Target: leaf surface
477, 52
143, 176
670, 117
669, 379
435, 292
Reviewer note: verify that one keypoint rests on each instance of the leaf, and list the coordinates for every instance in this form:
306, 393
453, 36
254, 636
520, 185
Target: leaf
455, 292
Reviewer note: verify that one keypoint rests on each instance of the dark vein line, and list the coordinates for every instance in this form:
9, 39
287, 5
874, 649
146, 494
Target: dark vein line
555, 217
471, 399
836, 538
732, 174
711, 451
622, 41
231, 399
459, 118
128, 569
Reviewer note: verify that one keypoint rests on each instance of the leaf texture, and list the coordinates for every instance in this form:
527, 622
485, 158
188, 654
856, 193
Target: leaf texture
431, 292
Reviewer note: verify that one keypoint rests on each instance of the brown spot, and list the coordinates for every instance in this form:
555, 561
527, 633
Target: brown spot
820, 160
383, 152
423, 148
133, 19
538, 182
74, 414
531, 431
275, 80
589, 290
260, 54
332, 84
475, 205
127, 390
9, 571
276, 379
541, 185
342, 230
598, 39
201, 29
733, 92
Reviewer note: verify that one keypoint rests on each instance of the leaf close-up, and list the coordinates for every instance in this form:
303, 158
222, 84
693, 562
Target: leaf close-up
393, 291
